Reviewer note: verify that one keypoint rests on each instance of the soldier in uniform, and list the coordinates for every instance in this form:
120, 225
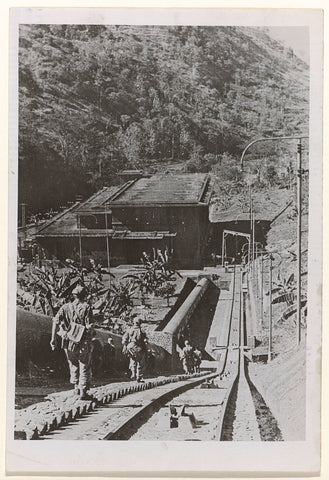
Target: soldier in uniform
197, 358
134, 343
187, 357
73, 323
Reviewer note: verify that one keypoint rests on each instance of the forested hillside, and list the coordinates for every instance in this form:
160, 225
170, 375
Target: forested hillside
94, 100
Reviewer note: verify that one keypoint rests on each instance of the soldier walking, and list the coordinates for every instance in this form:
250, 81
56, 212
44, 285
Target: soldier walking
134, 343
74, 324
197, 358
187, 357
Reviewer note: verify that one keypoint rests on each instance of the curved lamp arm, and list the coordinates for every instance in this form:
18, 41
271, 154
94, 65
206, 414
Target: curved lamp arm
264, 139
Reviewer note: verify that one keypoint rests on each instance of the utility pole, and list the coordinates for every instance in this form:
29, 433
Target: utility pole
80, 239
23, 205
262, 290
253, 242
107, 245
270, 315
256, 269
300, 171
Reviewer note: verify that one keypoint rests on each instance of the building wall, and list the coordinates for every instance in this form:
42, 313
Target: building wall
190, 224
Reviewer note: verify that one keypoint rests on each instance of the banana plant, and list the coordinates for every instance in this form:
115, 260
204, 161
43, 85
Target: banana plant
292, 310
155, 272
117, 299
48, 288
45, 290
284, 290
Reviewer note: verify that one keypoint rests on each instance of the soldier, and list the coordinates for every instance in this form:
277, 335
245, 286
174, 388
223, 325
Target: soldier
134, 343
187, 357
197, 358
74, 320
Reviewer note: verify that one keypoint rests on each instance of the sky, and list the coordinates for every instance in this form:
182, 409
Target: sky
295, 37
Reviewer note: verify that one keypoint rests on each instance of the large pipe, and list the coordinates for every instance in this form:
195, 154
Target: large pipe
33, 332
184, 313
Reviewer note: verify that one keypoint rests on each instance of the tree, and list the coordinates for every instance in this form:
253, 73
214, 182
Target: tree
271, 175
198, 91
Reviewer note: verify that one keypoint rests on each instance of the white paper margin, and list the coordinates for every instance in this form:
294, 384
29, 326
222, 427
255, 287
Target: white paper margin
203, 457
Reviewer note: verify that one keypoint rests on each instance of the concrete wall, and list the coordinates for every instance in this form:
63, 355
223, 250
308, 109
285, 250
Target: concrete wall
190, 224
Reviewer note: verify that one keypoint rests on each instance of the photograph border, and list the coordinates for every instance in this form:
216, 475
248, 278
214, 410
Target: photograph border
304, 457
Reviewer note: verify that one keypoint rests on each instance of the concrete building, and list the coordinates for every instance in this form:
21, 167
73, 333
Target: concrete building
161, 211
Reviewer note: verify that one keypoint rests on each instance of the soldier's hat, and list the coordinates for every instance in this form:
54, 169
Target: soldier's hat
137, 320
79, 291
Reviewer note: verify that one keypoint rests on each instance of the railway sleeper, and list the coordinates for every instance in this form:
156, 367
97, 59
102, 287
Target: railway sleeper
33, 430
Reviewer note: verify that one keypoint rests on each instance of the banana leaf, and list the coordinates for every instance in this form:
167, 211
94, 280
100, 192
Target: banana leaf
291, 310
287, 297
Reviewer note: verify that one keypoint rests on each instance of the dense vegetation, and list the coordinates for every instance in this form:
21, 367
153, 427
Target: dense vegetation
96, 99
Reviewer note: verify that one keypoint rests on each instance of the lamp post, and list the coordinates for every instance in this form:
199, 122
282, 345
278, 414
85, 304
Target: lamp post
251, 225
300, 172
236, 238
256, 261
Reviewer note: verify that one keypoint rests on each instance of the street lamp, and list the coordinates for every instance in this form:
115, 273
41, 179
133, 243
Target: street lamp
300, 172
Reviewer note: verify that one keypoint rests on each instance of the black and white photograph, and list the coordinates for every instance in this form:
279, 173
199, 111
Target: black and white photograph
164, 282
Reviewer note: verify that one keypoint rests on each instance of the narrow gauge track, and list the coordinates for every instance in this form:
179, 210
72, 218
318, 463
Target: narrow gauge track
246, 417
238, 421
144, 415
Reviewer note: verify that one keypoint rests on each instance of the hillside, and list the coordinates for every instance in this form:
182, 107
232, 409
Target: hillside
96, 99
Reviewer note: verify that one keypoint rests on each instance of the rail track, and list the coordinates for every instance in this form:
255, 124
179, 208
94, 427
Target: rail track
238, 421
145, 414
245, 415
213, 405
